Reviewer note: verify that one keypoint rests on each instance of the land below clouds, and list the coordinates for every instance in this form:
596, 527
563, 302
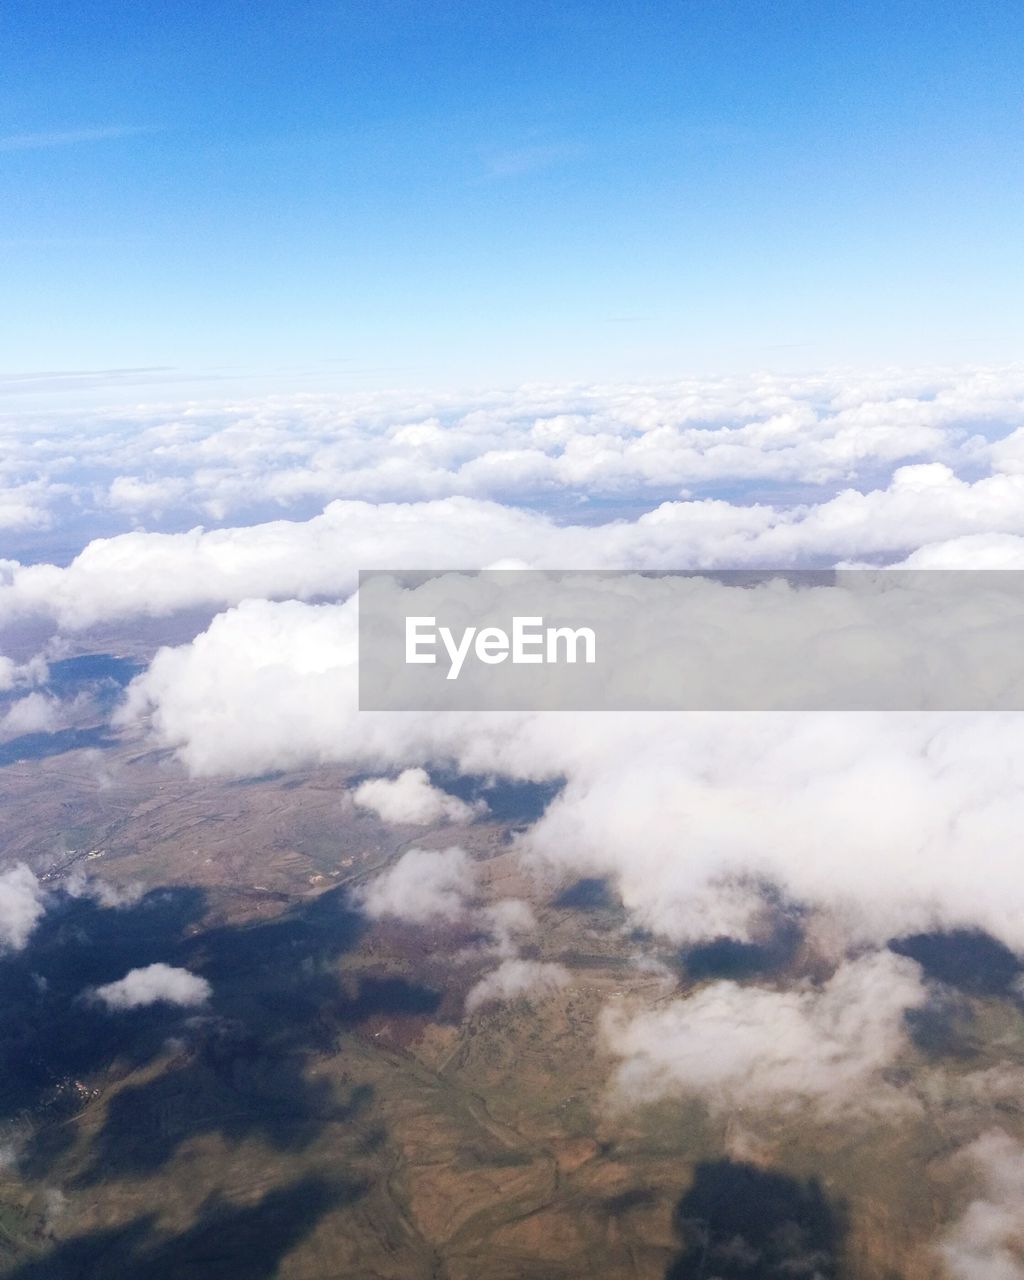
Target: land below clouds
335, 1106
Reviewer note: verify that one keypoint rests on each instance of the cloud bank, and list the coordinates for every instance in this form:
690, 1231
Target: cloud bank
836, 466
925, 516
549, 444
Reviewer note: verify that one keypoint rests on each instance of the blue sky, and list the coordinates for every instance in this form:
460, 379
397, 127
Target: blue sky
384, 193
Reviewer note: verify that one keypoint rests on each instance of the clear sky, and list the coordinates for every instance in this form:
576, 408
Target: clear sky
383, 192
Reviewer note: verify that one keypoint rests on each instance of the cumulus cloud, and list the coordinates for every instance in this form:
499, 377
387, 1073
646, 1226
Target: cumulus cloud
411, 799
740, 1046
34, 713
18, 674
26, 506
79, 884
212, 460
423, 886
987, 1241
842, 468
154, 984
134, 494
972, 551
22, 903
153, 575
516, 979
427, 886
691, 816
687, 813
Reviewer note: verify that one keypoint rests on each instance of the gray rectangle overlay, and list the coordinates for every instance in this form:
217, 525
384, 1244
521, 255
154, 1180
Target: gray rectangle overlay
609, 640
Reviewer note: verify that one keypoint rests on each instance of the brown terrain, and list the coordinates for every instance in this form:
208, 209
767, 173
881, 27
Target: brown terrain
336, 1113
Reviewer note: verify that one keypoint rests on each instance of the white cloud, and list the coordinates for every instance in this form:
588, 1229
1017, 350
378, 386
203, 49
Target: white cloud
972, 551
23, 507
135, 494
412, 799
68, 137
21, 906
34, 713
740, 1046
870, 467
516, 979
107, 893
13, 674
424, 885
987, 1241
150, 574
154, 984
686, 812
224, 457
506, 921
689, 815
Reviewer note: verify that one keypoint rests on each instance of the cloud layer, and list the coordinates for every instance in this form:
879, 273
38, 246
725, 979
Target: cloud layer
870, 826
924, 515
575, 443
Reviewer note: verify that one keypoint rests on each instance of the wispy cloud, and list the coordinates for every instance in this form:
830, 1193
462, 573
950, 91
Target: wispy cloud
69, 137
517, 161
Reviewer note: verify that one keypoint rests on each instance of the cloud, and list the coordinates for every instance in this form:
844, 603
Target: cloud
987, 1241
506, 921
13, 674
688, 814
107, 893
34, 713
516, 979
131, 493
695, 819
428, 886
154, 984
411, 799
972, 551
738, 1046
423, 886
21, 906
47, 138
603, 451
24, 507
153, 575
